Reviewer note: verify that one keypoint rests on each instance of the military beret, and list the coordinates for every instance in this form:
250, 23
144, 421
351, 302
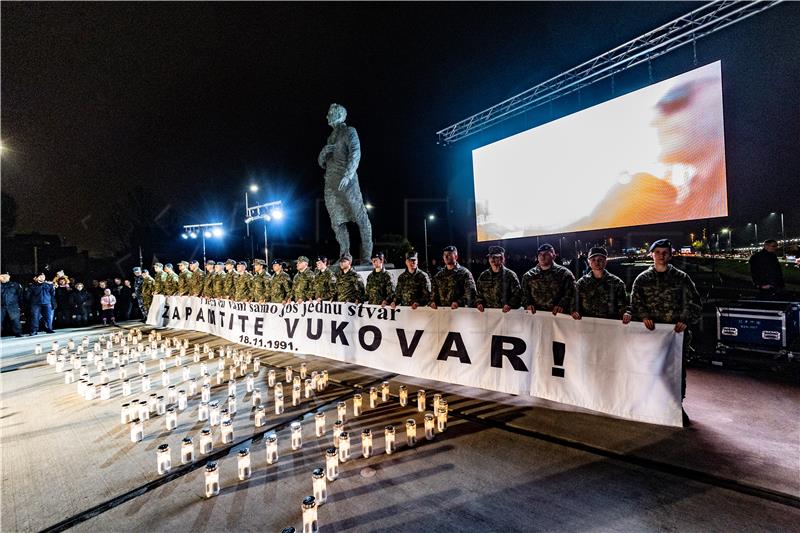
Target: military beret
194, 262
450, 248
598, 250
184, 263
158, 265
211, 262
496, 250
276, 262
230, 262
546, 248
242, 263
377, 255
168, 265
661, 243
411, 255
346, 257
137, 270
259, 262
302, 258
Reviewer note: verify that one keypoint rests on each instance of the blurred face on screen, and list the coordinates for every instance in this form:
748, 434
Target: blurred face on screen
661, 257
546, 259
688, 122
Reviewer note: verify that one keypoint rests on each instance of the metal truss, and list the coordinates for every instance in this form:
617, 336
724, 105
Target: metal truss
686, 29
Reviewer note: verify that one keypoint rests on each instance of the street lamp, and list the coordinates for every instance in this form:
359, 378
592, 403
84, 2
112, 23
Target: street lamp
266, 212
208, 230
729, 231
755, 228
253, 188
425, 220
783, 234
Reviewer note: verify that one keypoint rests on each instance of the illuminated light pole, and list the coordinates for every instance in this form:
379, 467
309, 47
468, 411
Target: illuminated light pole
209, 230
253, 188
783, 234
425, 220
266, 212
730, 236
755, 228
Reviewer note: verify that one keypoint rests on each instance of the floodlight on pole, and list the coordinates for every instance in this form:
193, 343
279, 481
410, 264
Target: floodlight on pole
208, 230
425, 220
266, 212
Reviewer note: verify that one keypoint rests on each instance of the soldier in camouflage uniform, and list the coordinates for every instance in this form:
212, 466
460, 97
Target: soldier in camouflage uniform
379, 283
183, 278
281, 290
228, 287
413, 285
454, 285
170, 282
349, 287
159, 278
218, 281
324, 280
242, 286
303, 283
498, 287
208, 279
148, 287
548, 286
599, 293
196, 281
664, 294
262, 281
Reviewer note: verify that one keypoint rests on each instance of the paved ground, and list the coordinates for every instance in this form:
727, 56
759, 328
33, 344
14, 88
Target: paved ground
505, 463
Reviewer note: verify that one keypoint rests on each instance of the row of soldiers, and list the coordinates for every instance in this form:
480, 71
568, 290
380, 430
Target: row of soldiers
660, 294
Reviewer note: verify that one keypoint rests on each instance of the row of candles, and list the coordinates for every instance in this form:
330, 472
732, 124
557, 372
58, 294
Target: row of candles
134, 413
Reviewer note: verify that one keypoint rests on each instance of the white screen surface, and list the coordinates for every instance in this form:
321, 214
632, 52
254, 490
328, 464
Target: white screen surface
654, 155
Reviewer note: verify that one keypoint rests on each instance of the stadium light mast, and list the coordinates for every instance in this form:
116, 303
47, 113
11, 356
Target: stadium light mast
210, 229
266, 212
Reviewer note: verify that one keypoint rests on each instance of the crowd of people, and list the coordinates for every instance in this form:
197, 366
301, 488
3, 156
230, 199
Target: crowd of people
63, 302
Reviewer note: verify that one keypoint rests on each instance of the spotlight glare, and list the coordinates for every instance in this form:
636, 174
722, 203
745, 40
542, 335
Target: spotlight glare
207, 234
277, 214
193, 235
254, 188
217, 232
184, 236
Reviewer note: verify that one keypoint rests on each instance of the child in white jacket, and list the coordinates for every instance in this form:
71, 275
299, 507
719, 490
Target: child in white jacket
107, 303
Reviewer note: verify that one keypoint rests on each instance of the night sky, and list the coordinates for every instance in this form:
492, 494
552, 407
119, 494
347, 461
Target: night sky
196, 101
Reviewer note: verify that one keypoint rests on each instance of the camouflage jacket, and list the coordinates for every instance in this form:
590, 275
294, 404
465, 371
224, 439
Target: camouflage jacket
281, 289
208, 284
666, 297
196, 283
413, 287
242, 286
495, 290
453, 285
218, 285
148, 286
324, 284
602, 298
349, 287
158, 282
260, 286
545, 289
379, 287
170, 284
229, 285
303, 285
183, 282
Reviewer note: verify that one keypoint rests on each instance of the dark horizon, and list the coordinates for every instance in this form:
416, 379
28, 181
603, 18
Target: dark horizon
193, 102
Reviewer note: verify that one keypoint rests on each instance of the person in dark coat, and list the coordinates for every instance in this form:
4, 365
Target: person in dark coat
63, 308
41, 297
766, 269
125, 300
81, 304
11, 295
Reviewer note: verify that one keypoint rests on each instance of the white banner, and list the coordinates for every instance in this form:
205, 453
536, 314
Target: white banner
597, 364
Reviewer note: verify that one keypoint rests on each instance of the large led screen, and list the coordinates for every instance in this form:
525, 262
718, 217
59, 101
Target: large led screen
654, 155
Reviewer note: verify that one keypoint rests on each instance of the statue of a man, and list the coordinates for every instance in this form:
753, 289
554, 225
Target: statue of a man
340, 157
